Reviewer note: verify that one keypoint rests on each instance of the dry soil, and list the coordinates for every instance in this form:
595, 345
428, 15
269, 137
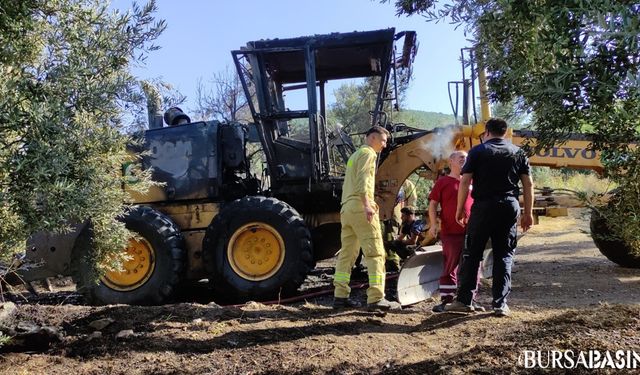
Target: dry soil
566, 295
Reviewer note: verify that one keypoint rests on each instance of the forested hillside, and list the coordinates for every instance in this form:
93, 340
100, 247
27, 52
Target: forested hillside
423, 119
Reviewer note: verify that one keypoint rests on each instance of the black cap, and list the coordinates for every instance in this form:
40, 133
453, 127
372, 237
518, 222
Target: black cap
408, 210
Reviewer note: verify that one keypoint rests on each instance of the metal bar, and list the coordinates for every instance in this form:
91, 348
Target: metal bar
297, 87
473, 85
387, 55
485, 109
326, 163
380, 99
310, 68
265, 132
465, 102
323, 103
270, 50
245, 87
395, 79
462, 63
285, 115
454, 107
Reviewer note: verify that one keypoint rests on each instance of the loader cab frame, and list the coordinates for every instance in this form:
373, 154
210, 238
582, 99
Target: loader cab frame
269, 68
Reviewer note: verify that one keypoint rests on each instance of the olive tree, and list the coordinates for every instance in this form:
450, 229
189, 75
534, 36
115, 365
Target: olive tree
65, 80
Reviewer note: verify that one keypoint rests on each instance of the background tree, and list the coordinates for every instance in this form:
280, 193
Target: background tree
354, 100
511, 111
575, 64
65, 78
223, 99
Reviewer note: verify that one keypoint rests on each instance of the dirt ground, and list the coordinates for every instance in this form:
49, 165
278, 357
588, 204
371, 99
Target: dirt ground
565, 296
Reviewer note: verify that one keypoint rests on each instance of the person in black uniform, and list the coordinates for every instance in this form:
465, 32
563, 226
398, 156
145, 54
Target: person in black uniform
495, 167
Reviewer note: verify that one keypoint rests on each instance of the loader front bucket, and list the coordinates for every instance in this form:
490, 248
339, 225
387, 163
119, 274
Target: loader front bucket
419, 277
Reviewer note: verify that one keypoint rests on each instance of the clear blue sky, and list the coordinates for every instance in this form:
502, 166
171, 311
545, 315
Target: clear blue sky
200, 34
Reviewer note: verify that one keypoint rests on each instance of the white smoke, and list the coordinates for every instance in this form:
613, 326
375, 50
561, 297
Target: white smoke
441, 145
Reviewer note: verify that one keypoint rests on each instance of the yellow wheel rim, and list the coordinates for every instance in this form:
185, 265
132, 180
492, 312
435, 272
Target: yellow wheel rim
136, 271
256, 251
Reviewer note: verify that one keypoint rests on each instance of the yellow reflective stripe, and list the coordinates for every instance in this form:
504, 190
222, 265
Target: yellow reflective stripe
342, 276
375, 279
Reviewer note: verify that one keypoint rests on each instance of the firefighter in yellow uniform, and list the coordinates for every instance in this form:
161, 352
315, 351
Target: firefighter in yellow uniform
361, 226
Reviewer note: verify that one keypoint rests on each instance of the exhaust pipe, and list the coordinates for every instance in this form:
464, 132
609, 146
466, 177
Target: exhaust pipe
154, 104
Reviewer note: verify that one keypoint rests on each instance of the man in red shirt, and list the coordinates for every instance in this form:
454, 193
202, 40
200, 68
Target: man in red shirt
445, 193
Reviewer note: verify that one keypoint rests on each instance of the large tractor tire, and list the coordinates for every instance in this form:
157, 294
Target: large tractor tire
257, 248
152, 274
616, 251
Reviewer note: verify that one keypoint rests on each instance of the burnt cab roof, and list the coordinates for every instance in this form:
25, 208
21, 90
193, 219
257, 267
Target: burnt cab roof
338, 55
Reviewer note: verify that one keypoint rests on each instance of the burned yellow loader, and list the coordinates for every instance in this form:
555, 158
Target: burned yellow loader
252, 237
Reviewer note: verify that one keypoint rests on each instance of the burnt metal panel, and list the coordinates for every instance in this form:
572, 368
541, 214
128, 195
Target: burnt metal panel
309, 199
190, 216
338, 55
294, 158
232, 142
49, 254
193, 243
185, 159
